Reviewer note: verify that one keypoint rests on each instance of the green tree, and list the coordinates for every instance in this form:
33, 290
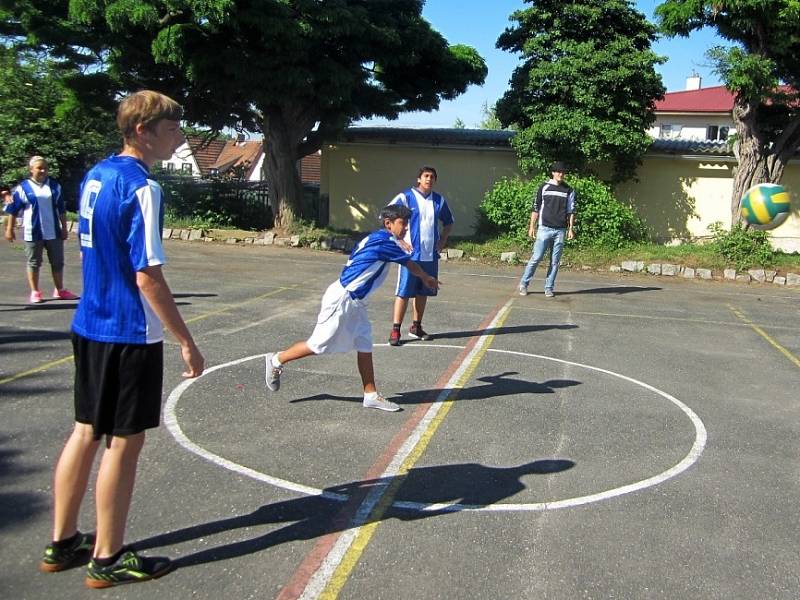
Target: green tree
765, 54
298, 71
490, 119
459, 124
587, 86
40, 114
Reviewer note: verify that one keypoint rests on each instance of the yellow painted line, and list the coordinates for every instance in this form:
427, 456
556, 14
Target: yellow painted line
365, 532
38, 369
766, 336
238, 304
66, 359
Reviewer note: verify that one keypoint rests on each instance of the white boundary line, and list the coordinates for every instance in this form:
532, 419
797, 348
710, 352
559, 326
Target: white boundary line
701, 436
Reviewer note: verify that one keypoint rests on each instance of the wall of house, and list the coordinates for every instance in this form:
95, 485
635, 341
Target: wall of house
361, 178
181, 161
678, 196
692, 127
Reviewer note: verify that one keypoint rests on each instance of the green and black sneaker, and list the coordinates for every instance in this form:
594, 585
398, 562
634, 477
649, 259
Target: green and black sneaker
129, 568
78, 553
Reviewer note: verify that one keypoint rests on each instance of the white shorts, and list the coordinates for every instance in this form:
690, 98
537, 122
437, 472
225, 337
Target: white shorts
342, 325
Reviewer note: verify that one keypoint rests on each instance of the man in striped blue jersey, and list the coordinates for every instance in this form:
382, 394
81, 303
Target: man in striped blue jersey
343, 323
44, 226
118, 345
428, 210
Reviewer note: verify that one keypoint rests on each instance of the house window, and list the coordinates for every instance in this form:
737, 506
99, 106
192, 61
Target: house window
671, 131
186, 169
715, 132
170, 166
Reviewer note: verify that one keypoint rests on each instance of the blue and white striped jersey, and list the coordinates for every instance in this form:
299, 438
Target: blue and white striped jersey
367, 267
423, 226
121, 216
42, 206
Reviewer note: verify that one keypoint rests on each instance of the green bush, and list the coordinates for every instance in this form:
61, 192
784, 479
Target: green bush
601, 219
742, 247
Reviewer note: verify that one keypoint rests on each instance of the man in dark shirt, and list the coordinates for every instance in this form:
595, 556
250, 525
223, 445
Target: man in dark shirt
554, 210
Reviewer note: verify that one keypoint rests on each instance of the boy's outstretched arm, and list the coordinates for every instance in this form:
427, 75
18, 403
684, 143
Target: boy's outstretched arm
430, 282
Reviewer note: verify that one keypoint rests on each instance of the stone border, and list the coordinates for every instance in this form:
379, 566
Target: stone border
346, 244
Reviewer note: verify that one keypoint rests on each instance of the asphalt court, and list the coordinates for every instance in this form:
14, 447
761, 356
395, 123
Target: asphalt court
634, 437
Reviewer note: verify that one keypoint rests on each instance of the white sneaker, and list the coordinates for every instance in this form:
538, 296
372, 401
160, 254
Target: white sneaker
381, 403
523, 291
272, 375
548, 293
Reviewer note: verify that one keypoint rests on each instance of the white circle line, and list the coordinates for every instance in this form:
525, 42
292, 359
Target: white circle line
701, 436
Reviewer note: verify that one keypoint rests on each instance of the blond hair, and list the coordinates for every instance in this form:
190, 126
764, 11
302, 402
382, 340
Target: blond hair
36, 159
148, 108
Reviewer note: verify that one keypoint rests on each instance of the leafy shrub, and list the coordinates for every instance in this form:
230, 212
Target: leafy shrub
742, 247
601, 219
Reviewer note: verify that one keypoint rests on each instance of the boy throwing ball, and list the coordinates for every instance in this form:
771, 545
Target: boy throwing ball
343, 323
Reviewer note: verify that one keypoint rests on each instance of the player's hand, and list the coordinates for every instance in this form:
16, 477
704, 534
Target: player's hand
570, 234
195, 362
432, 283
65, 234
10, 235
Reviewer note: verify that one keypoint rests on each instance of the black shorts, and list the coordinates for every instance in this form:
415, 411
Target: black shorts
117, 386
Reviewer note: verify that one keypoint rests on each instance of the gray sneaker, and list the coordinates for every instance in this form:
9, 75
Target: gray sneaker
523, 291
548, 293
381, 403
272, 377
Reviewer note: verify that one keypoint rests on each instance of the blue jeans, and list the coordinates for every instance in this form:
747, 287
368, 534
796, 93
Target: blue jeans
545, 237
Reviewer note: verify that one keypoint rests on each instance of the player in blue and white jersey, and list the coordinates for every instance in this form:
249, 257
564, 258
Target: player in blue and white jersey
44, 227
118, 345
343, 324
428, 209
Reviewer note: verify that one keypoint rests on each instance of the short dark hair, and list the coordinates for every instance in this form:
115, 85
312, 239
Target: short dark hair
427, 169
394, 212
4, 188
559, 166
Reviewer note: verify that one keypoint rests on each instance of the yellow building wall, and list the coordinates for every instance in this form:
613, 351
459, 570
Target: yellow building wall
677, 196
362, 178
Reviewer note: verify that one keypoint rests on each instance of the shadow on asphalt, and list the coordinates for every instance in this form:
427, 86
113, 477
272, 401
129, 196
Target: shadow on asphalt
496, 386
17, 507
453, 335
467, 485
612, 290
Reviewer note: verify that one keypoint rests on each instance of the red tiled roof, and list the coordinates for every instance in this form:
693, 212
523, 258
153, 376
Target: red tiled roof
712, 99
236, 154
205, 154
310, 168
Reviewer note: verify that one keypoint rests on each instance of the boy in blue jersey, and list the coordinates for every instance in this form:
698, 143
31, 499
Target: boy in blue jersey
118, 345
428, 209
44, 226
343, 323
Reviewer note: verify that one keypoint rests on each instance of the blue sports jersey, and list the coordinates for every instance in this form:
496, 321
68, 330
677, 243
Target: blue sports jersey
42, 207
423, 225
367, 268
121, 216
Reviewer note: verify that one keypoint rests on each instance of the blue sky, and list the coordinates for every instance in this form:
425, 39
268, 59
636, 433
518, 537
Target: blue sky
478, 23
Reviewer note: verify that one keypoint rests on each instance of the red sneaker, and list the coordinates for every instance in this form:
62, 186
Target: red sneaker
394, 337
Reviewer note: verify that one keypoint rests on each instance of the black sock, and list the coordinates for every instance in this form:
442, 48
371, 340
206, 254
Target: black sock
417, 324
107, 562
66, 542
396, 326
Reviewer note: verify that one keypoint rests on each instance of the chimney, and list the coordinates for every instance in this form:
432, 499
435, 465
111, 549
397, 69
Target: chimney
693, 82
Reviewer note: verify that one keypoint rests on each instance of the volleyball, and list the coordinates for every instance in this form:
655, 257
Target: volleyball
765, 206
